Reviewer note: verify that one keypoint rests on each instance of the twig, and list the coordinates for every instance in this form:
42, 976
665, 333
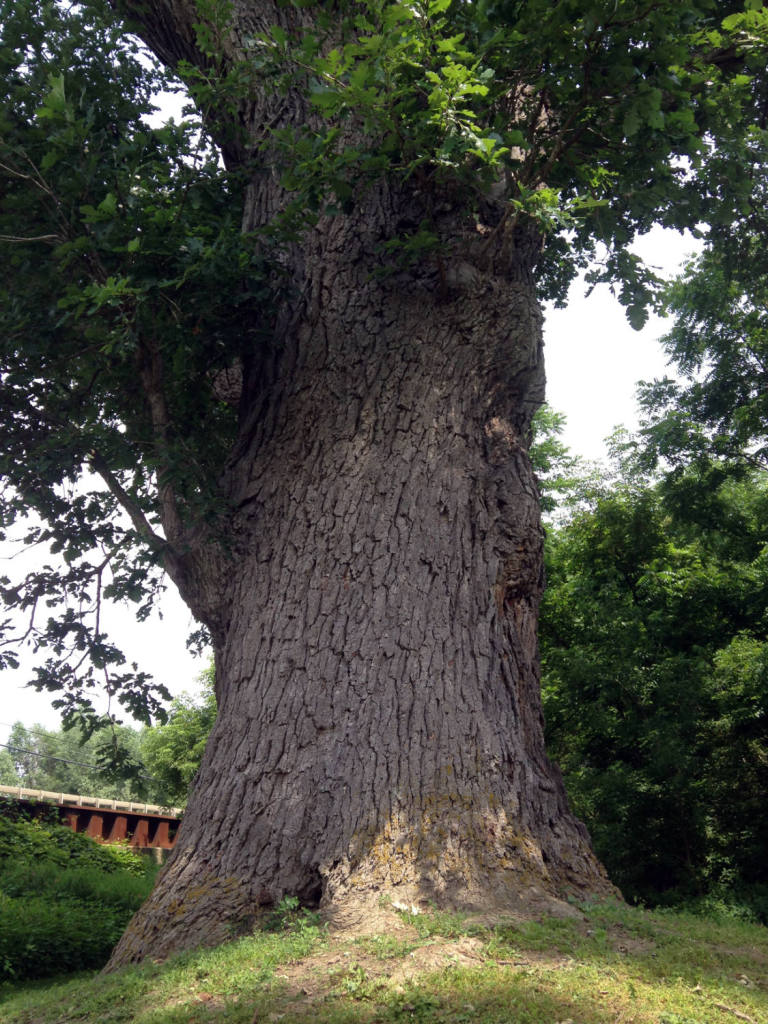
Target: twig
30, 629
31, 238
736, 1013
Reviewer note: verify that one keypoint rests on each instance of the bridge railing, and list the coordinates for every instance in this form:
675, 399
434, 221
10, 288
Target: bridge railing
95, 802
142, 826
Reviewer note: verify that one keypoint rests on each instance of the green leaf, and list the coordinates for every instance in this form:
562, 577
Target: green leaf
108, 205
55, 101
637, 315
279, 35
450, 44
631, 123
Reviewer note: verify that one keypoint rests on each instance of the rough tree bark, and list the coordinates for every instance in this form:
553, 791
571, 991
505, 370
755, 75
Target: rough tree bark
374, 621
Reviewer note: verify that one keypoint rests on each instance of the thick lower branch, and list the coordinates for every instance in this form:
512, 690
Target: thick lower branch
131, 507
151, 371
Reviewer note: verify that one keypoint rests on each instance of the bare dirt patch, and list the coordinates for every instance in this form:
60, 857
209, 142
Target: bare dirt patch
343, 964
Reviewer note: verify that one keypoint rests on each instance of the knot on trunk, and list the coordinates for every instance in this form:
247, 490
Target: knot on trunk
227, 384
520, 574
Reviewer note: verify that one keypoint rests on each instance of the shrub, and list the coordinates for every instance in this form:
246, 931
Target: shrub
35, 840
40, 937
64, 899
116, 890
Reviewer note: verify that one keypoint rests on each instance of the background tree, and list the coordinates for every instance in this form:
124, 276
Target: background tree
705, 432
172, 752
8, 776
716, 408
653, 640
354, 516
560, 475
62, 761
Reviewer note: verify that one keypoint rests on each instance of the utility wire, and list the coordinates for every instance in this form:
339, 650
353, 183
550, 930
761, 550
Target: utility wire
47, 734
32, 729
63, 760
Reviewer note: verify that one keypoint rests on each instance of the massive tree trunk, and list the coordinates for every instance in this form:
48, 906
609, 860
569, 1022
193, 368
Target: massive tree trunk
379, 728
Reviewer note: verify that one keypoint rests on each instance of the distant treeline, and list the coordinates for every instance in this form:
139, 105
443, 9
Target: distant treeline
155, 764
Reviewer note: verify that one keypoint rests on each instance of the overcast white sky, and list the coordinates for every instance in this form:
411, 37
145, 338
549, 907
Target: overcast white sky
593, 359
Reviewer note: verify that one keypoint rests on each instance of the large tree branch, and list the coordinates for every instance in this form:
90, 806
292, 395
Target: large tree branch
129, 505
151, 370
167, 27
175, 565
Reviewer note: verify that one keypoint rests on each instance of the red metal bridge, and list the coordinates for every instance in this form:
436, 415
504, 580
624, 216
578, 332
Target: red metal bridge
143, 826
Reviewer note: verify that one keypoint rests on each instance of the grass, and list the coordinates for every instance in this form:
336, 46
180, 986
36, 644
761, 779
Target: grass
610, 965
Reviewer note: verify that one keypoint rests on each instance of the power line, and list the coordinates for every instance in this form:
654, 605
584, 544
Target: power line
64, 760
41, 731
20, 750
31, 729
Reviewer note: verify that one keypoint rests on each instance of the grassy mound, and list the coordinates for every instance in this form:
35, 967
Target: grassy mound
607, 964
34, 841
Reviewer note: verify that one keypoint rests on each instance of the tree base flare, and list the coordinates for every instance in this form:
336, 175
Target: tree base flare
468, 862
474, 865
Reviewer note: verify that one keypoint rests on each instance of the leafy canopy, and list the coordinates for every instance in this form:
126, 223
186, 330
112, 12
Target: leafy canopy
125, 285
127, 290
596, 119
718, 407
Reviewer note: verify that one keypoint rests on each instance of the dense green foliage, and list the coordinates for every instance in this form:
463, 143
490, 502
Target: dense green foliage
654, 629
64, 899
122, 263
40, 937
718, 405
590, 116
172, 752
33, 841
655, 666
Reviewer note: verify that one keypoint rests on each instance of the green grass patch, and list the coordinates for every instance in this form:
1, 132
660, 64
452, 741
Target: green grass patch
386, 947
611, 963
237, 980
440, 922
